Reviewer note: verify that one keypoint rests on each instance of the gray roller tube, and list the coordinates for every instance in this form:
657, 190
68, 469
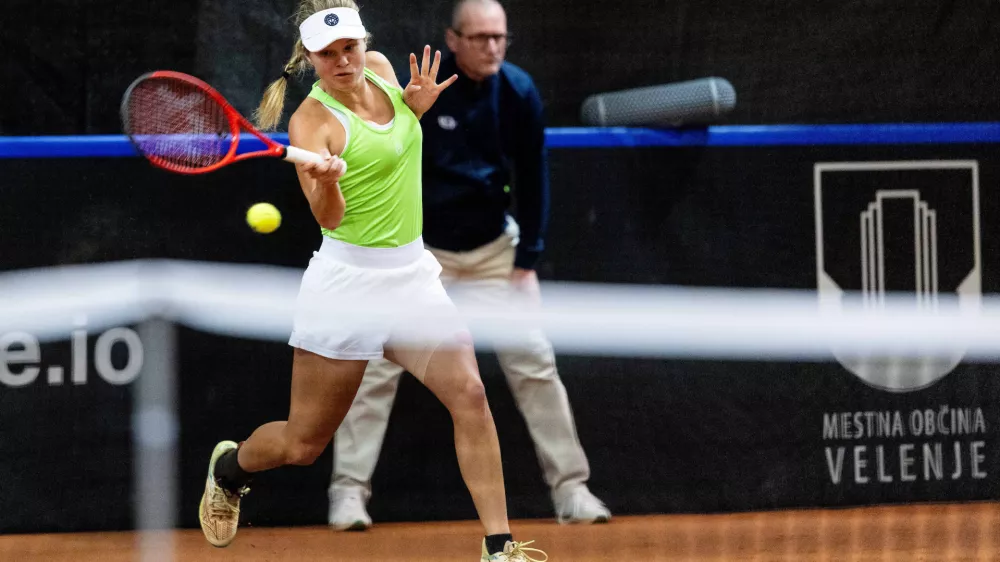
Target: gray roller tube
692, 102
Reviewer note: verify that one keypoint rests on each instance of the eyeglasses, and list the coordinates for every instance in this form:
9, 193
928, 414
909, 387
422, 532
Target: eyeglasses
482, 40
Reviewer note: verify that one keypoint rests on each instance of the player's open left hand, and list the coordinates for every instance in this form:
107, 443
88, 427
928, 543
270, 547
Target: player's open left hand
423, 89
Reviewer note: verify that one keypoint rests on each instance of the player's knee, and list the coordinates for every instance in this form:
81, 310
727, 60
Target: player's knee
303, 453
472, 395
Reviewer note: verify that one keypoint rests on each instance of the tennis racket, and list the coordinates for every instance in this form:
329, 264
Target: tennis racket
181, 124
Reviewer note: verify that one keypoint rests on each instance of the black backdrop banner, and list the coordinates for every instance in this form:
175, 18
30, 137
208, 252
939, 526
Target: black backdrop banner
67, 63
662, 435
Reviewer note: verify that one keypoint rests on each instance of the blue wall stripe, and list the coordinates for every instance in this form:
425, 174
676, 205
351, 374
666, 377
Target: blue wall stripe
87, 146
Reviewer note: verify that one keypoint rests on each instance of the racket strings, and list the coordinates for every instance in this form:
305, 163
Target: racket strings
178, 123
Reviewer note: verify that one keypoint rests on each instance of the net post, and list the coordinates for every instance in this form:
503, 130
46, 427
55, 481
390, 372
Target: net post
154, 436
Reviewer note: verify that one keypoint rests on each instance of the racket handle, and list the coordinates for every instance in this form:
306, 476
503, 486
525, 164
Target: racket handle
299, 156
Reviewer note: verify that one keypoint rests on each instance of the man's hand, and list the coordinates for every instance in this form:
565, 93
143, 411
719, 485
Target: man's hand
525, 282
423, 89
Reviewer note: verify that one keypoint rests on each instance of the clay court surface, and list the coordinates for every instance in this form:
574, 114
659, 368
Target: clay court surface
905, 533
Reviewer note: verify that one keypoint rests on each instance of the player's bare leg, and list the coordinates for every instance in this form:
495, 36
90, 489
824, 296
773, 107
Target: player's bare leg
322, 392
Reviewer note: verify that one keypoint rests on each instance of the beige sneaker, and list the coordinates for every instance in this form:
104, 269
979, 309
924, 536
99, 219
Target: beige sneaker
514, 552
219, 510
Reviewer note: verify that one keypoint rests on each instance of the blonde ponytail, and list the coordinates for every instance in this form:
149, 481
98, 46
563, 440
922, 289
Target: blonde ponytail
268, 114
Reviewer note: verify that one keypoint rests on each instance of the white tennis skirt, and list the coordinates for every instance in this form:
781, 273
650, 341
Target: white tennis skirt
354, 301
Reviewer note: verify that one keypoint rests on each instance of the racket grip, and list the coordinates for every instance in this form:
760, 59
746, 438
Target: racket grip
299, 156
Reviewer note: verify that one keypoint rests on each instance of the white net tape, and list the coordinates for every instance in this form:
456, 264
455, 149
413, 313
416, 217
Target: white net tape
254, 301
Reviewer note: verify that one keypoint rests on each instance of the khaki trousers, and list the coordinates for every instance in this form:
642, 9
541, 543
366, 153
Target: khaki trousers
530, 369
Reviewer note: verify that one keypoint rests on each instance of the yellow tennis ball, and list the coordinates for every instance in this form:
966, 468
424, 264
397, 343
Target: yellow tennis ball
264, 218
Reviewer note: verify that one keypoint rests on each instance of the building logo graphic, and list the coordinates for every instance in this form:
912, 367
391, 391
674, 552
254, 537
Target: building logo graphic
898, 232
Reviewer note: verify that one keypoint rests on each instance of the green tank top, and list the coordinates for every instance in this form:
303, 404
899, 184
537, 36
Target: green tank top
382, 186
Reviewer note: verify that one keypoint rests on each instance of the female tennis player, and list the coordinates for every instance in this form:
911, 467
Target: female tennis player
367, 201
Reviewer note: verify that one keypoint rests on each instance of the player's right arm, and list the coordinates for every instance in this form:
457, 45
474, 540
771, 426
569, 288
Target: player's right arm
313, 128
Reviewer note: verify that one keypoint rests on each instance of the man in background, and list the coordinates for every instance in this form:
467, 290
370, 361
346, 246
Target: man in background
485, 133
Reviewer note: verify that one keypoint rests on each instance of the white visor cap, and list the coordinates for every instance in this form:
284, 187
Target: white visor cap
323, 28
